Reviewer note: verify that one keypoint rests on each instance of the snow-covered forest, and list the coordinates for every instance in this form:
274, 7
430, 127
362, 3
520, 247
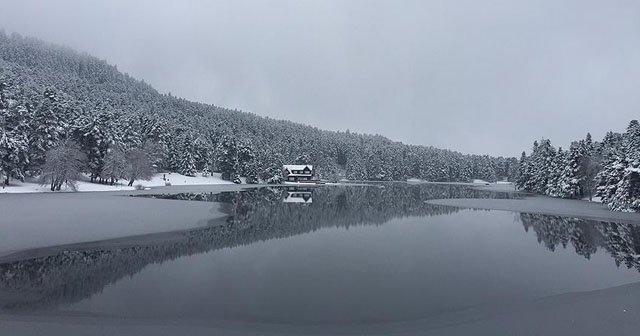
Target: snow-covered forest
65, 113
609, 169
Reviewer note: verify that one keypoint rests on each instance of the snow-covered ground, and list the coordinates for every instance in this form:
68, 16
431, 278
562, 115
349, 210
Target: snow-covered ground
479, 181
545, 205
32, 186
593, 199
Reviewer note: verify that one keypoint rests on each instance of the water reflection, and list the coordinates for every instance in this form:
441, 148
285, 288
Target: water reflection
621, 241
264, 214
297, 195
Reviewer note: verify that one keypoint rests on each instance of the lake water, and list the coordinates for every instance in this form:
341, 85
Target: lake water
330, 255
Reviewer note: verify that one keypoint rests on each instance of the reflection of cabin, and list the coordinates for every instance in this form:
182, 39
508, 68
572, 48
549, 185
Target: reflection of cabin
295, 173
298, 195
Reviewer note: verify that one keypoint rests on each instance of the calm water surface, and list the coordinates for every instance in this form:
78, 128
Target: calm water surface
331, 255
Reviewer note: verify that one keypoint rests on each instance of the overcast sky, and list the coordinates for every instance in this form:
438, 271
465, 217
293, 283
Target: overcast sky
474, 76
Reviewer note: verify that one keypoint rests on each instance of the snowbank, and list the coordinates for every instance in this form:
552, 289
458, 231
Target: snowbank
593, 199
544, 205
32, 186
479, 181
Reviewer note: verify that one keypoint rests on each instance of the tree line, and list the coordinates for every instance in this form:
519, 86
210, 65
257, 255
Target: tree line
66, 113
609, 169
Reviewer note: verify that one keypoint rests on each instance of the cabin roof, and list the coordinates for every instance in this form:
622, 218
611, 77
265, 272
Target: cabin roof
297, 167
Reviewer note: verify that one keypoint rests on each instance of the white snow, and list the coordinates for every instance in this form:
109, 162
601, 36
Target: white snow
297, 167
479, 181
32, 186
593, 199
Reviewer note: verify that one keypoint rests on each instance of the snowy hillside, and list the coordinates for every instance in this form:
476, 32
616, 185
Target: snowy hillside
84, 113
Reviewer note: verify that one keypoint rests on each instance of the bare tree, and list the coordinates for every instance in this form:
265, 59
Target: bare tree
115, 166
139, 165
63, 165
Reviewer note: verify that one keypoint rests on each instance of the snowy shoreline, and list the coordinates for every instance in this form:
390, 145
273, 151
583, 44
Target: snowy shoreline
175, 179
545, 205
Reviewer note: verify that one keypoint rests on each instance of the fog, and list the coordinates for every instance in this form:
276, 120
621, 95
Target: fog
478, 77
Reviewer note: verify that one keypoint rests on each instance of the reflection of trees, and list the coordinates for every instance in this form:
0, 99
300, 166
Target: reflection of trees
254, 215
621, 241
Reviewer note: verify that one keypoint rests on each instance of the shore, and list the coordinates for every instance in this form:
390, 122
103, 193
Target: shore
31, 185
545, 205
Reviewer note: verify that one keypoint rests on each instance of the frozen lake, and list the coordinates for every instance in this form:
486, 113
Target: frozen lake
320, 256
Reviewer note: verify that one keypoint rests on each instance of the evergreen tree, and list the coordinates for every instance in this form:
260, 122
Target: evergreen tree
303, 159
524, 174
187, 160
48, 129
627, 191
14, 143
570, 179
542, 159
589, 166
227, 158
557, 169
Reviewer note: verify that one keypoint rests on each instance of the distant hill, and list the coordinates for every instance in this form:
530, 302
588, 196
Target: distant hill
51, 93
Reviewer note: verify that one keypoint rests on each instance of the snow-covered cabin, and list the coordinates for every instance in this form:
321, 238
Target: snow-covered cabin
295, 173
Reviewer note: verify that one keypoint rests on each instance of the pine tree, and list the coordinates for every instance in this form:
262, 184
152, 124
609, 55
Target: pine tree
570, 179
555, 181
613, 165
608, 179
49, 128
271, 170
589, 166
246, 159
542, 158
187, 160
627, 191
524, 174
227, 158
206, 171
252, 172
303, 159
14, 143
